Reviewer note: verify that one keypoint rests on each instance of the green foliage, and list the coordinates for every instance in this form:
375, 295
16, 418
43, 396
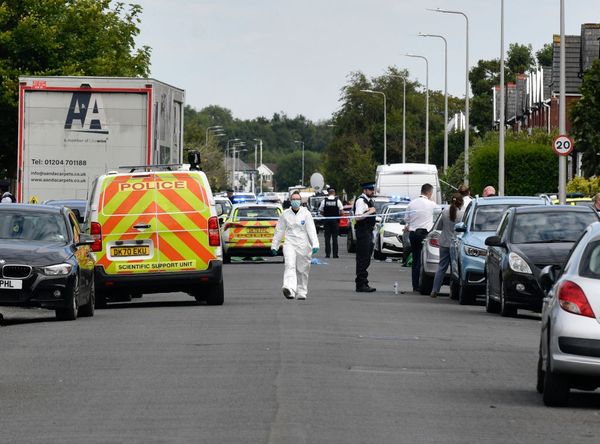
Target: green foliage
545, 55
348, 164
289, 168
585, 121
588, 187
63, 37
212, 158
519, 59
531, 166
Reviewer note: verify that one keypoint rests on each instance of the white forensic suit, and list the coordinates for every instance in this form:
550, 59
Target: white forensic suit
300, 238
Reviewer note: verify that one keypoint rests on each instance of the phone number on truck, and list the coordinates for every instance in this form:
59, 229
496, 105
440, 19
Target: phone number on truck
59, 162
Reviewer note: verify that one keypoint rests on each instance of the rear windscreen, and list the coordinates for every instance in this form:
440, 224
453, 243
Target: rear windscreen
257, 213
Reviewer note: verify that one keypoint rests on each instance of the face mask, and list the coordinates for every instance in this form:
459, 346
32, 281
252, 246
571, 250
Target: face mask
296, 204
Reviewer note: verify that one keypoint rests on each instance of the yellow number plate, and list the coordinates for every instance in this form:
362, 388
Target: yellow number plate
142, 250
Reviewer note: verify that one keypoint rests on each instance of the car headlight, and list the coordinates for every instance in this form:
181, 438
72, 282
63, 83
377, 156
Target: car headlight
389, 234
474, 251
57, 270
518, 264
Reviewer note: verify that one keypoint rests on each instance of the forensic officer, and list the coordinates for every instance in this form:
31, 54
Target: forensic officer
332, 209
364, 221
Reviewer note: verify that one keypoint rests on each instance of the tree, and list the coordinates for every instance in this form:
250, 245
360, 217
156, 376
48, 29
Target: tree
585, 121
483, 77
63, 37
211, 157
545, 55
289, 168
519, 59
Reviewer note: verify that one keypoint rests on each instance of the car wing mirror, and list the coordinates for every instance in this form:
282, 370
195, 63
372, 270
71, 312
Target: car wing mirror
85, 239
219, 209
460, 227
494, 241
547, 277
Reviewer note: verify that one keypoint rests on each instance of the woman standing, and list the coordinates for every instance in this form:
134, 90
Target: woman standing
301, 242
450, 216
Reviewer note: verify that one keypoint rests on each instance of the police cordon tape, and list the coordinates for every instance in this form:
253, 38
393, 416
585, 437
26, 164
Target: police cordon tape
321, 217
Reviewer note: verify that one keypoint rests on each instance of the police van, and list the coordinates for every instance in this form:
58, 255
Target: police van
155, 232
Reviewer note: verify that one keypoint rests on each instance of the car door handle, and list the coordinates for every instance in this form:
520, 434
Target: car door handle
141, 226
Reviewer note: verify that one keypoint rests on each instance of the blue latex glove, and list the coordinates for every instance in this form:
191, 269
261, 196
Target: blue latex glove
273, 252
315, 250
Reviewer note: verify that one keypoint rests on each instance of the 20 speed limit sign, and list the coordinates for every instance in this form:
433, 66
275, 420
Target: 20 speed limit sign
563, 145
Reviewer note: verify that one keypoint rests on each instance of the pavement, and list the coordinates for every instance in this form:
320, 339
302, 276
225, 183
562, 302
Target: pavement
340, 367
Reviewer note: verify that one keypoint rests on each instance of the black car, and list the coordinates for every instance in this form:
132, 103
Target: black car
527, 240
45, 261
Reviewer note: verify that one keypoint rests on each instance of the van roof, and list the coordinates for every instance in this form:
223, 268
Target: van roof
395, 168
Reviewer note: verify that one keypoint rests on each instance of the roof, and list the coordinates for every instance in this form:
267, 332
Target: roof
31, 208
499, 200
552, 209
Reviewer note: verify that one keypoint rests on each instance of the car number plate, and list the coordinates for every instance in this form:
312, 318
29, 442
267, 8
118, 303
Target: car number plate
11, 284
143, 250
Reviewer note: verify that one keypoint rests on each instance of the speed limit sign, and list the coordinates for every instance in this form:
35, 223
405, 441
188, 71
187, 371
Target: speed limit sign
563, 145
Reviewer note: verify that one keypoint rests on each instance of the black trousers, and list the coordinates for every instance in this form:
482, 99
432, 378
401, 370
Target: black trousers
416, 246
332, 229
364, 250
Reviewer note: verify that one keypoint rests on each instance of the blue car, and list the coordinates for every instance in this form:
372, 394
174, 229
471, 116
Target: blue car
468, 249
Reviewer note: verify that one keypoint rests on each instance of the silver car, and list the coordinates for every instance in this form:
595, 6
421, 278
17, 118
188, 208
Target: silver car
569, 355
430, 255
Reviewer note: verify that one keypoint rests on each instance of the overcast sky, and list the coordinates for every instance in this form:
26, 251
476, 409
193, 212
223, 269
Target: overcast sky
258, 57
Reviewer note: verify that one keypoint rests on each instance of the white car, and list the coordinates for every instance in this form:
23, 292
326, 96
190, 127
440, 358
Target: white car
388, 237
569, 354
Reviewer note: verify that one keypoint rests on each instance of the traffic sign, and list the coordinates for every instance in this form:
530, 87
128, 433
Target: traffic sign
563, 145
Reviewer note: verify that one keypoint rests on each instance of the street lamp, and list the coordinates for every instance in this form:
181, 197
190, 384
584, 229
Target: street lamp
215, 127
403, 115
562, 109
426, 103
260, 158
445, 11
301, 142
370, 91
234, 165
445, 96
501, 128
227, 153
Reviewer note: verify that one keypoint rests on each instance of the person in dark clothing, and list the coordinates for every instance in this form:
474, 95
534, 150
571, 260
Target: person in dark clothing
230, 195
364, 212
332, 209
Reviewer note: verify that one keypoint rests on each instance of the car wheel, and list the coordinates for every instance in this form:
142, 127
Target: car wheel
556, 387
378, 256
226, 258
465, 294
453, 289
88, 309
539, 386
491, 306
213, 294
69, 311
425, 282
506, 309
350, 245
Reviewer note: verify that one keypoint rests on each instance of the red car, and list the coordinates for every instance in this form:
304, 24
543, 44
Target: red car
345, 220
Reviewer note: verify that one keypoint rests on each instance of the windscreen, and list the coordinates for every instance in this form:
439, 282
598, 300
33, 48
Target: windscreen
257, 213
590, 261
396, 215
536, 227
30, 226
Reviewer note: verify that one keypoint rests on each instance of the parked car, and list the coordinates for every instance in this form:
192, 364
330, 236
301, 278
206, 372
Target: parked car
314, 202
249, 229
389, 231
345, 219
268, 197
468, 249
45, 261
77, 206
430, 256
241, 197
527, 240
569, 352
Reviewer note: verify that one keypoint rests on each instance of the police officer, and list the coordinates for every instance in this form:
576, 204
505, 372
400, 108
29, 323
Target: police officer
230, 195
332, 209
364, 212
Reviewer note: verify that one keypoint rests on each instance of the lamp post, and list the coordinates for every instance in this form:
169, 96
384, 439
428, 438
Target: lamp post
301, 142
370, 91
426, 103
403, 115
233, 163
445, 96
227, 153
445, 11
260, 164
562, 110
502, 107
216, 127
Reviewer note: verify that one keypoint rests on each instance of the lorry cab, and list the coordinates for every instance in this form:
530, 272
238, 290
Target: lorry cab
155, 231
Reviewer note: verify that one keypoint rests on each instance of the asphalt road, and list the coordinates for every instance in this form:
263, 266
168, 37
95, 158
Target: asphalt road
341, 367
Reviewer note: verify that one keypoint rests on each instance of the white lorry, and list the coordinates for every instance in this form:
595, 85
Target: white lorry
73, 129
401, 180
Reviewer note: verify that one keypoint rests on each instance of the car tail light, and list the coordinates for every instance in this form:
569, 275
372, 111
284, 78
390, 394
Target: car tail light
572, 299
96, 233
214, 237
434, 242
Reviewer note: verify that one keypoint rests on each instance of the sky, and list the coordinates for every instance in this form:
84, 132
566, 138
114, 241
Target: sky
260, 57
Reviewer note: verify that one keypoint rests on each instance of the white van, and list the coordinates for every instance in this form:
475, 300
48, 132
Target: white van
406, 179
